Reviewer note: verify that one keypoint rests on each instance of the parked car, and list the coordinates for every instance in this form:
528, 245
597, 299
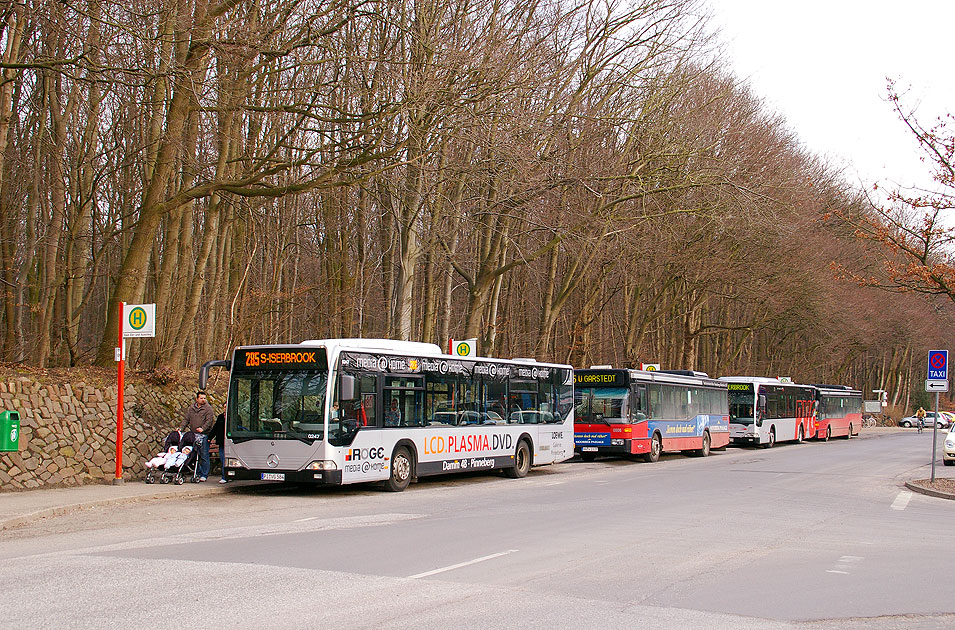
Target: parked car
948, 451
941, 421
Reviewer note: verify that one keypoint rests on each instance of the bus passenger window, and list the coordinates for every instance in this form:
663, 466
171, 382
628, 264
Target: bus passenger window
392, 409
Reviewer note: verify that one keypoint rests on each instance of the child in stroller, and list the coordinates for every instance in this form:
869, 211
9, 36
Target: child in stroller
178, 460
156, 465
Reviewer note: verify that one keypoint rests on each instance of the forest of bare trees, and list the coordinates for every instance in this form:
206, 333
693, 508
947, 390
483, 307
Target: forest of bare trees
580, 182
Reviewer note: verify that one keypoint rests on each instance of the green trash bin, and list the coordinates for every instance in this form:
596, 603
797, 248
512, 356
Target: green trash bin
9, 431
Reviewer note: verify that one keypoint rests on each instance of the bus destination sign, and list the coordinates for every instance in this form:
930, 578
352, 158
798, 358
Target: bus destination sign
280, 359
601, 379
739, 387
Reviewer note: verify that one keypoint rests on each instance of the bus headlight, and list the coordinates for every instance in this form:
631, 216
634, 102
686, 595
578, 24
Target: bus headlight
231, 462
949, 444
322, 465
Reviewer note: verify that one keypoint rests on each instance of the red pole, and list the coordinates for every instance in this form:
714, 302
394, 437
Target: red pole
119, 402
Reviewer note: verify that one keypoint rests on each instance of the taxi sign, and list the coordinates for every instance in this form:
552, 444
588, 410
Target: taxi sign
938, 365
139, 320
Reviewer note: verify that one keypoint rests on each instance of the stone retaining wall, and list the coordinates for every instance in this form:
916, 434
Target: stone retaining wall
68, 430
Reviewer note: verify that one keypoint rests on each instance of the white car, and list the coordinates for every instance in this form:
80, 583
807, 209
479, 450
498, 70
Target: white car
948, 451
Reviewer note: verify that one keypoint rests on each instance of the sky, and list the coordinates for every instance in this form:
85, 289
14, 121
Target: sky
823, 65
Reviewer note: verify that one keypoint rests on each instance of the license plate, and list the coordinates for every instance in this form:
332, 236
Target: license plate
589, 448
273, 476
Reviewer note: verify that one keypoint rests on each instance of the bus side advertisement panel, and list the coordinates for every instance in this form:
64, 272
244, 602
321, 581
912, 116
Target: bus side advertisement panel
719, 431
437, 451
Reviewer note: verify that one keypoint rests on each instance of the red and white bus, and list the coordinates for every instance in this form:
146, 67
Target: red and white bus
764, 411
839, 412
633, 412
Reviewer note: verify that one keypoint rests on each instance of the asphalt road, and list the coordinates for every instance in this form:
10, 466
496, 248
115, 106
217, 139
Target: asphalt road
799, 536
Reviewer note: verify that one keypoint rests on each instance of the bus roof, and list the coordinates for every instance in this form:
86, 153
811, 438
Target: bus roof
762, 380
835, 390
413, 348
383, 345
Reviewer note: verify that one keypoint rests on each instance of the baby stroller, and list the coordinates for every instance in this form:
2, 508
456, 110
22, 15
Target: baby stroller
156, 466
185, 463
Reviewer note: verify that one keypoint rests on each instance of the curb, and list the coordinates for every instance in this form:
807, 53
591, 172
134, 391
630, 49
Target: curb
60, 510
929, 491
186, 493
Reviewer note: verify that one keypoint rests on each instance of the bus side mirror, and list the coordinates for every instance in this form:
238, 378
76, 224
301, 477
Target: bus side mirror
346, 387
208, 365
640, 417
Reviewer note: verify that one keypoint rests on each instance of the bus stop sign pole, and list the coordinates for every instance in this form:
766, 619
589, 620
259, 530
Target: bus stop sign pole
118, 479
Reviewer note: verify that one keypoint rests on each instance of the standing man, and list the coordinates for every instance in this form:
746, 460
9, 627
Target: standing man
200, 418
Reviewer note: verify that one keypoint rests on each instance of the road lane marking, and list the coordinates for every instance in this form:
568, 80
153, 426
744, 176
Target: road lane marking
842, 565
459, 565
902, 501
302, 520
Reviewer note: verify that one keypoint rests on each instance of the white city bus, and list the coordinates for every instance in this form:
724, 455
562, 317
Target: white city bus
764, 411
339, 411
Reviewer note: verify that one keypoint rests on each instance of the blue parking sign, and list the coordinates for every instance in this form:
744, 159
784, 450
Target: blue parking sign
938, 365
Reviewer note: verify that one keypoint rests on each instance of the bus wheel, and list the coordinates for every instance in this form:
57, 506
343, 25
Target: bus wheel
828, 434
401, 470
656, 447
772, 438
705, 449
522, 461
588, 456
800, 436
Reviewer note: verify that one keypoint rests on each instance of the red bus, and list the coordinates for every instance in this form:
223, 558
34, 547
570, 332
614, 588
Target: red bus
633, 412
839, 412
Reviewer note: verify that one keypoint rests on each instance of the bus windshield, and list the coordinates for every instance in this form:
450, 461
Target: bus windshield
741, 407
277, 405
601, 405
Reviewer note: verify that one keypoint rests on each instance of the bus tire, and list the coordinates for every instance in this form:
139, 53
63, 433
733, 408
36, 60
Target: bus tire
772, 438
704, 450
402, 470
800, 436
828, 434
656, 447
522, 461
588, 456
